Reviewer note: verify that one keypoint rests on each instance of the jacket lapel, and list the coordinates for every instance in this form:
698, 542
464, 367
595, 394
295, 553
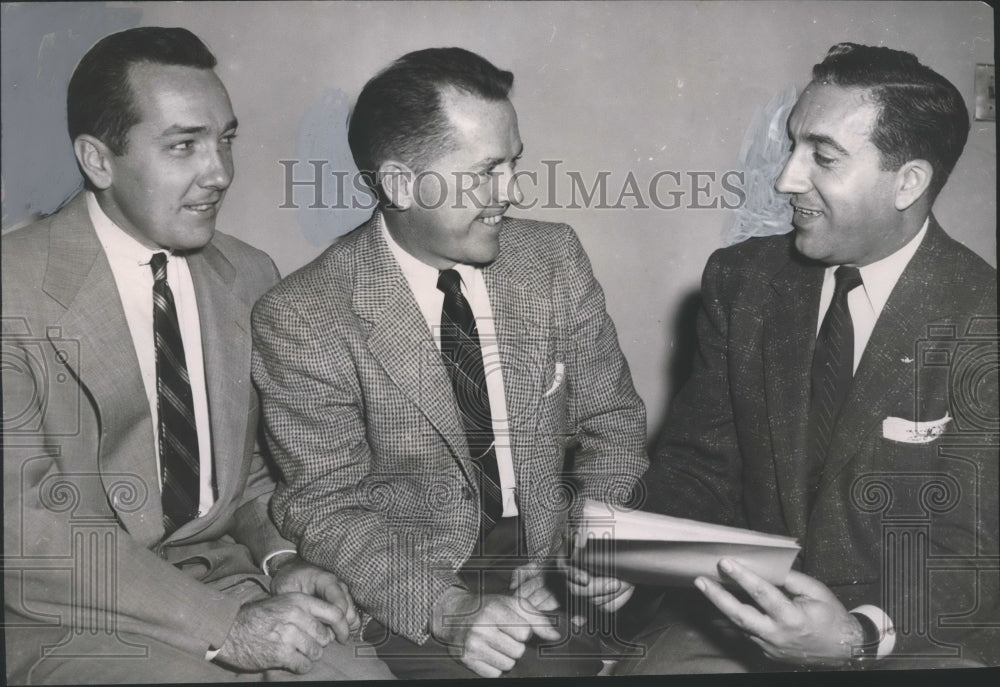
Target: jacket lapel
522, 337
886, 368
789, 336
399, 338
225, 340
79, 277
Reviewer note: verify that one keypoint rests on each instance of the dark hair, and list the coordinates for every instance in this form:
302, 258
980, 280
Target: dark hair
99, 100
399, 113
921, 114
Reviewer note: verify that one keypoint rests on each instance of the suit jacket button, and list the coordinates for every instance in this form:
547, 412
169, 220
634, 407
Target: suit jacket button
466, 493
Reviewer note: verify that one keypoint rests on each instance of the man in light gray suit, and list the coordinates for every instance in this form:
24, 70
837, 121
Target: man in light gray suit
129, 435
429, 381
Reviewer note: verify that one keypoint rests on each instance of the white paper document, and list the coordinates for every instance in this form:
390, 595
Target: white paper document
649, 548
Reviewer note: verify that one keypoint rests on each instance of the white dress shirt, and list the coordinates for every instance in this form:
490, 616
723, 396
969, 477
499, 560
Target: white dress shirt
866, 301
129, 261
423, 279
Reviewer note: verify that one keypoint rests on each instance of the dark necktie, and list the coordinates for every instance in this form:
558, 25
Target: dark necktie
832, 372
178, 440
463, 356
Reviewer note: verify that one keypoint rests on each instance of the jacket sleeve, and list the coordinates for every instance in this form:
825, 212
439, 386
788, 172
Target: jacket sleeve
608, 419
696, 469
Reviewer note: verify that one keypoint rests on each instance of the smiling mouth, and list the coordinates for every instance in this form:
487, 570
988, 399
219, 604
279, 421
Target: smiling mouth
492, 217
202, 207
806, 212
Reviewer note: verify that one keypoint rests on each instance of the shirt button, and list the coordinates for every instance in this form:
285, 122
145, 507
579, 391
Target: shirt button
466, 493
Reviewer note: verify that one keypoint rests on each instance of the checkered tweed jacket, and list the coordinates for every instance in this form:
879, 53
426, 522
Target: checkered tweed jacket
361, 417
903, 525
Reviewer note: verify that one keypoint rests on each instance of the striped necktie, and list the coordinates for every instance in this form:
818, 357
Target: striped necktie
463, 356
178, 433
832, 372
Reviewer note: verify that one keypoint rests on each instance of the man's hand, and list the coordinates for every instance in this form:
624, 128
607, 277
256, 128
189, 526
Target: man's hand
606, 593
810, 628
528, 583
292, 574
487, 634
287, 631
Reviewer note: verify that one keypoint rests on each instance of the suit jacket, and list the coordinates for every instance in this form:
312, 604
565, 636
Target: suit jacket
361, 417
79, 468
899, 524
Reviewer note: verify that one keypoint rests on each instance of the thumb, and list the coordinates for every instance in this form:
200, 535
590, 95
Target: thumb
539, 622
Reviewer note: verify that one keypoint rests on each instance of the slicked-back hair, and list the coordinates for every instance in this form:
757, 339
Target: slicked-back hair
100, 102
399, 114
921, 114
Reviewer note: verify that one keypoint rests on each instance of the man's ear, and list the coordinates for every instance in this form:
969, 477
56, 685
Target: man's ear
912, 180
396, 180
94, 159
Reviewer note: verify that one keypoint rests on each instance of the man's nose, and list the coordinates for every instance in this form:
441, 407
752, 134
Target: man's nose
794, 177
508, 190
218, 171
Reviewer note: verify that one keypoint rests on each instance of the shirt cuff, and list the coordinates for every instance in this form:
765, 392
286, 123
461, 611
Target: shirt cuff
211, 654
883, 623
268, 557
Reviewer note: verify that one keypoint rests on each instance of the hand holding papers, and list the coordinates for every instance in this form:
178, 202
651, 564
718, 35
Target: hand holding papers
648, 548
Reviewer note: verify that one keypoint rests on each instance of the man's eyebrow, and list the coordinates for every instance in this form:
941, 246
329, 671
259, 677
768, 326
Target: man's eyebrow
493, 161
821, 139
178, 130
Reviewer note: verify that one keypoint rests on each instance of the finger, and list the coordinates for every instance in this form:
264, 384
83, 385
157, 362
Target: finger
302, 642
576, 577
529, 585
353, 619
525, 574
544, 600
620, 600
800, 584
607, 587
745, 617
297, 663
771, 599
481, 668
540, 624
332, 617
508, 649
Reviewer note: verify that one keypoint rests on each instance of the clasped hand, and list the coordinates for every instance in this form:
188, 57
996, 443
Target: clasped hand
309, 607
807, 625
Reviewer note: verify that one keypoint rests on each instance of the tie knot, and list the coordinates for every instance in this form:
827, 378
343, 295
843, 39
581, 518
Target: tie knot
847, 278
449, 281
159, 264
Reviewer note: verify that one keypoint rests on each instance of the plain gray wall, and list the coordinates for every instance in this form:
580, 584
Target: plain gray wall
639, 87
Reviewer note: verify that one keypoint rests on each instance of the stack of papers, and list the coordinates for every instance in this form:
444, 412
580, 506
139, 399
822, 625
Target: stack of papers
648, 548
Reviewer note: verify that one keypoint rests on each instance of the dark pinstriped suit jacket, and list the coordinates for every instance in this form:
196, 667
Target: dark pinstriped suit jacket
909, 527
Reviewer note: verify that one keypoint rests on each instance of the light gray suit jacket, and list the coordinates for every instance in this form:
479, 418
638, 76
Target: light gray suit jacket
361, 416
80, 482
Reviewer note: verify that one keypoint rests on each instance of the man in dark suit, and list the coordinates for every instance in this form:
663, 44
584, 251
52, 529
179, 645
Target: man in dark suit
845, 393
137, 543
424, 380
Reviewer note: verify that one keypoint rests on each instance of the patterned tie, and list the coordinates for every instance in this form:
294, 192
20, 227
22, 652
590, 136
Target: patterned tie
463, 356
178, 440
832, 372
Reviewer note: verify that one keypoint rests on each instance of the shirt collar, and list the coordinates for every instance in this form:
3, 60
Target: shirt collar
120, 247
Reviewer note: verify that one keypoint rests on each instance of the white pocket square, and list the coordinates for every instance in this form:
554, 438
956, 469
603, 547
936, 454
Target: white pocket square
910, 432
557, 379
